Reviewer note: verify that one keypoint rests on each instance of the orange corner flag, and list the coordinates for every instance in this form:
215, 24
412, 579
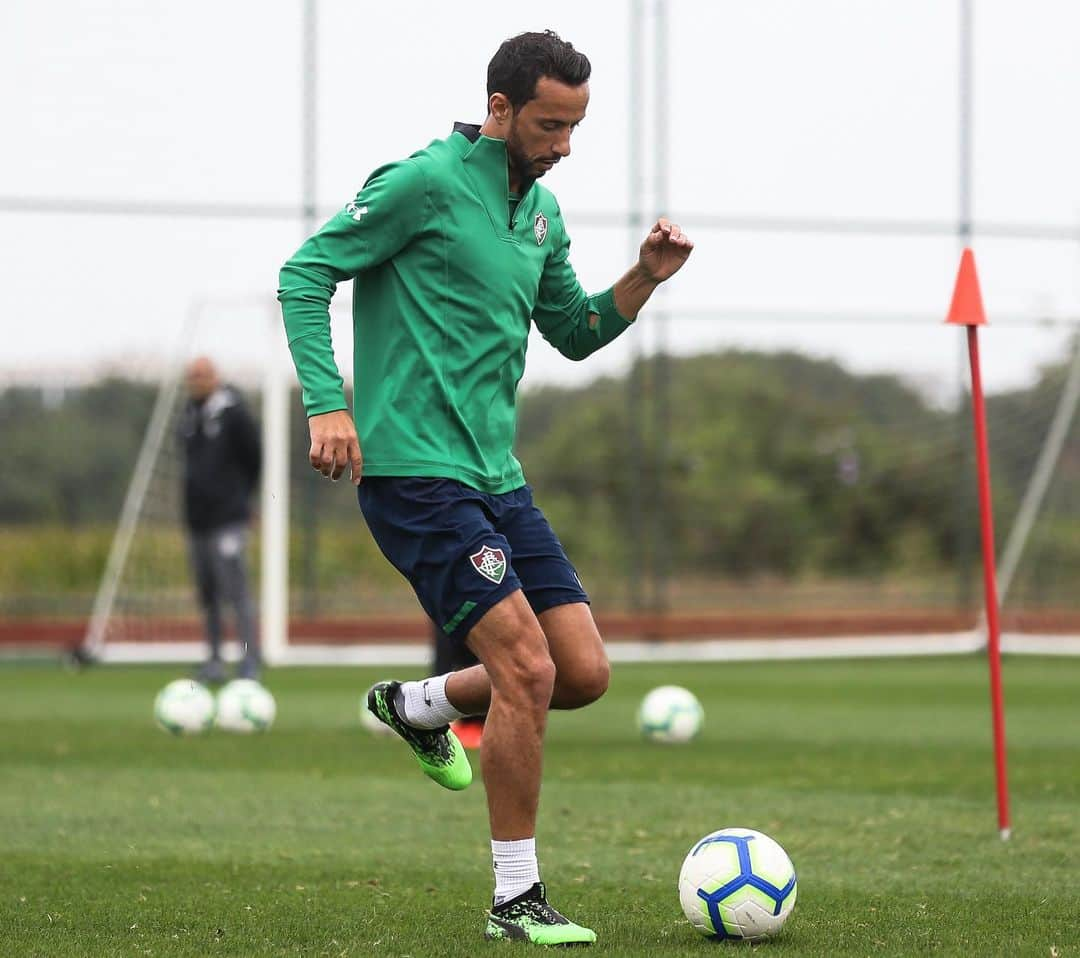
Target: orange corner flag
966, 308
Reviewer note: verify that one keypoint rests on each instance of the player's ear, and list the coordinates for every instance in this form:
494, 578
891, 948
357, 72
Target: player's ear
499, 107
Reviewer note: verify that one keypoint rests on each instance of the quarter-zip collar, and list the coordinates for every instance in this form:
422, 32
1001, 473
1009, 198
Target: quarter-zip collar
487, 165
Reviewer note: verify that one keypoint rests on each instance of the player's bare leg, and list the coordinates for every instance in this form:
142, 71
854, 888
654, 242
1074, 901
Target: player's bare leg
521, 676
582, 671
512, 646
575, 646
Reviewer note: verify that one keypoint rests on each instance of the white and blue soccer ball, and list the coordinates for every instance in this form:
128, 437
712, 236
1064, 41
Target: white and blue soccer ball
670, 714
737, 884
184, 707
244, 705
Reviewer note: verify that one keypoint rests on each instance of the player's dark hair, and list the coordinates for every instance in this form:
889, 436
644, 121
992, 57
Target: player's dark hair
520, 62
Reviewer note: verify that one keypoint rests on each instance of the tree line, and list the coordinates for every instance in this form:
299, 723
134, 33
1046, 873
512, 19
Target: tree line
736, 462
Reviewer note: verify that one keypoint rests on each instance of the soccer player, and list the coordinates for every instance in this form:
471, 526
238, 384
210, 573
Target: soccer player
222, 462
454, 254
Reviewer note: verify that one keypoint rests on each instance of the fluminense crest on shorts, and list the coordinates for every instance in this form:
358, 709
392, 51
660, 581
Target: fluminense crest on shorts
490, 563
540, 228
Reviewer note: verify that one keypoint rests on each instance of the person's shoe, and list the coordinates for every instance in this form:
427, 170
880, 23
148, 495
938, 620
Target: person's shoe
529, 917
438, 750
249, 669
469, 730
212, 672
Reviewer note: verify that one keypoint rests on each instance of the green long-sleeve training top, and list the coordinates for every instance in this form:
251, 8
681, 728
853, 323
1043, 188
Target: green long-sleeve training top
449, 271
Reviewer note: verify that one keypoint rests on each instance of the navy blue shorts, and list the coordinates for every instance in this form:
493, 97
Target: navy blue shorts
463, 550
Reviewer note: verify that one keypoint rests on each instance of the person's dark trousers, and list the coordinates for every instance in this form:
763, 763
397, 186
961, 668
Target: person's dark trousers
453, 656
219, 562
449, 656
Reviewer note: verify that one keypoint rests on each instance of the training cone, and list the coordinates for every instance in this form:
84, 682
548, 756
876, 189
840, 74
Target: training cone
966, 308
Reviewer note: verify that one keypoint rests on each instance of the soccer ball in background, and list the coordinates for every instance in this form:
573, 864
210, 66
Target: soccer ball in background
737, 883
670, 713
244, 705
184, 707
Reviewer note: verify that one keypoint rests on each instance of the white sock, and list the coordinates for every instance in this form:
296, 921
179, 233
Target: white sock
515, 867
424, 704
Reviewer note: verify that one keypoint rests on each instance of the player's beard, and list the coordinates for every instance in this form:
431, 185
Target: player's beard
526, 168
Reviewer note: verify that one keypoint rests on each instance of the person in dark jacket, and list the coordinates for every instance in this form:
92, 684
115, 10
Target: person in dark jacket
222, 463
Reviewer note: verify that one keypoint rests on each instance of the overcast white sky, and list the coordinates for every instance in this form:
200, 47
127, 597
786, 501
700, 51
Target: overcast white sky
778, 108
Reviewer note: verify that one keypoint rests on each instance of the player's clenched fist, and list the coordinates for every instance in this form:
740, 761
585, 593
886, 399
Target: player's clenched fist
664, 250
334, 444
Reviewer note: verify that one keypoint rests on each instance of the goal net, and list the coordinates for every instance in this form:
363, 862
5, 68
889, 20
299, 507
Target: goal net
145, 607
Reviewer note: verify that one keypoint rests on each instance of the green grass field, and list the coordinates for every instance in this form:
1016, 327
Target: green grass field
316, 839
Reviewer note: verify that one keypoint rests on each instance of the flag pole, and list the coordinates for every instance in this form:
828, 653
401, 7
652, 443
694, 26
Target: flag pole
967, 310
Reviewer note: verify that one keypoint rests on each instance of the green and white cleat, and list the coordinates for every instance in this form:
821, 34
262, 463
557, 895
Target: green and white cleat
438, 750
529, 917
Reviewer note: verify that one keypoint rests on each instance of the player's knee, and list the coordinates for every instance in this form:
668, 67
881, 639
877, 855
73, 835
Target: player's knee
519, 663
585, 685
538, 681
529, 679
597, 680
